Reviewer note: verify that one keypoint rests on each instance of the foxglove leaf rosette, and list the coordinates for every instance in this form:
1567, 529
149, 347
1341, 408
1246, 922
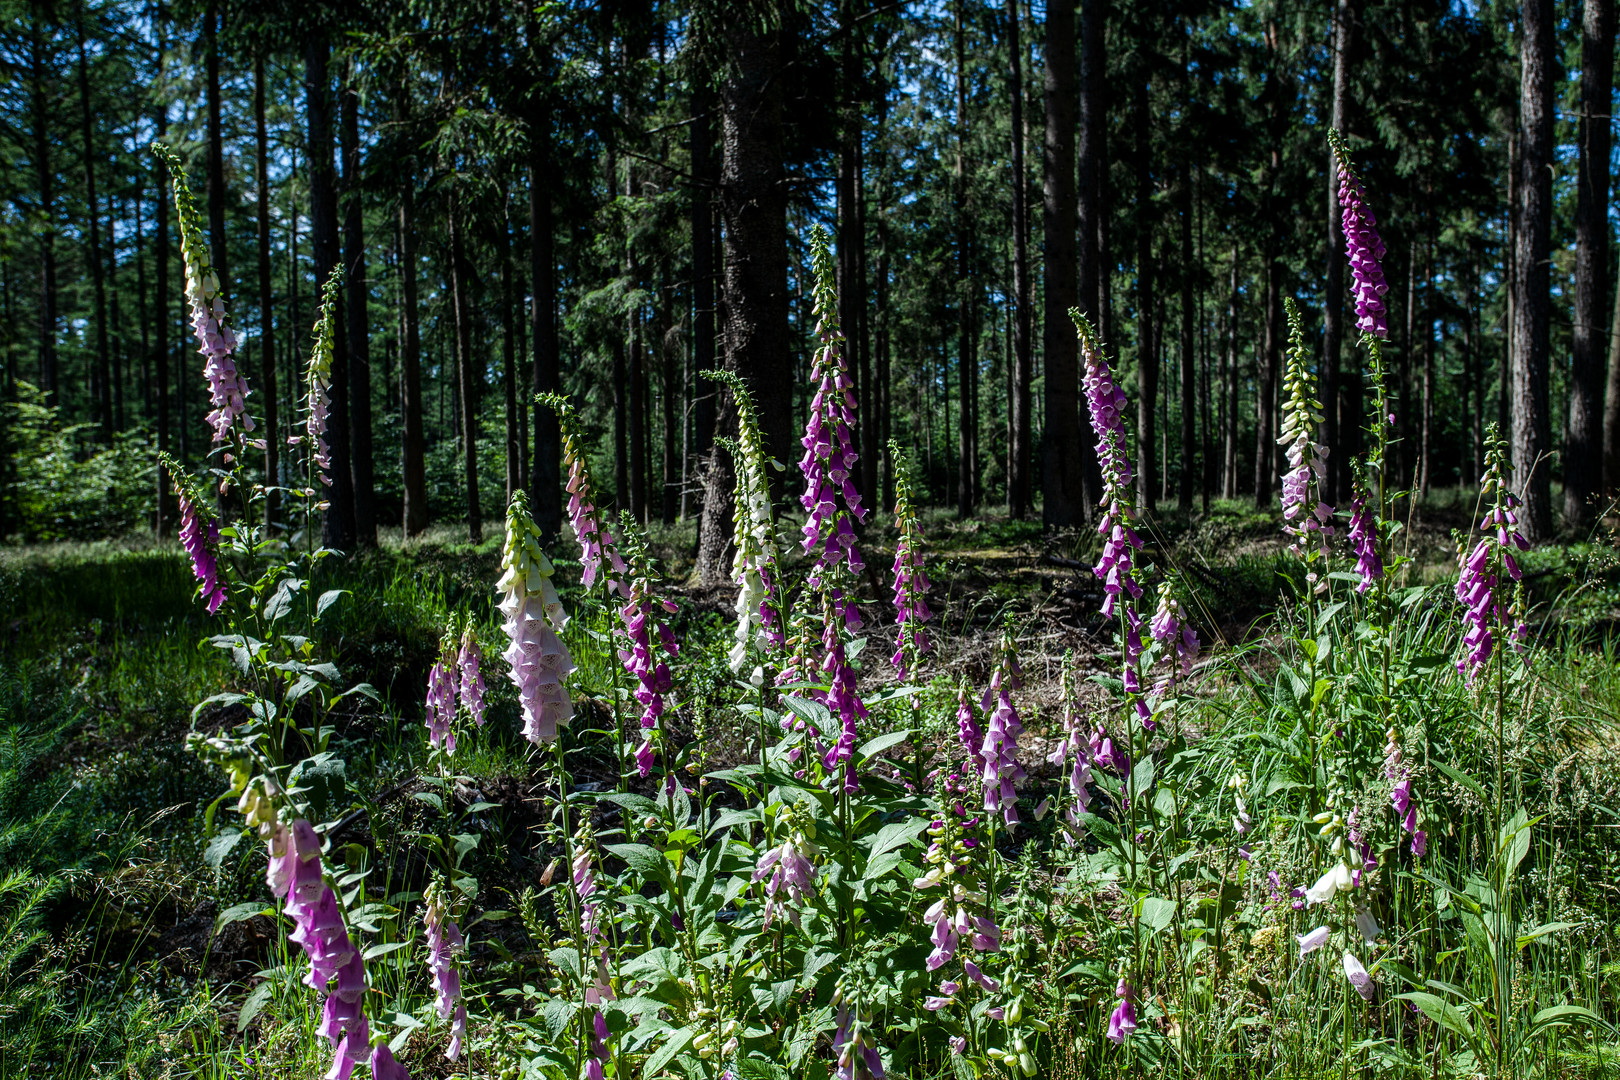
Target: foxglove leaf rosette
227, 387
537, 658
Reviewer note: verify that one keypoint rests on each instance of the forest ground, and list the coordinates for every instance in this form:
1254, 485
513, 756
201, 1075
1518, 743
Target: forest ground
109, 907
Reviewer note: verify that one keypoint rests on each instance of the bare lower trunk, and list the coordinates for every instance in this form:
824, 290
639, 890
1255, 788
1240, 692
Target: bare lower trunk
1587, 449
1532, 437
267, 322
1061, 481
1022, 366
358, 326
468, 380
412, 452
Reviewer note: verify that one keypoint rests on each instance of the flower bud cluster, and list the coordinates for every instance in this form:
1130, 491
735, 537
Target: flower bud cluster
317, 400
1000, 769
1362, 246
910, 581
754, 566
1400, 794
651, 672
444, 945
1016, 1056
441, 694
1072, 755
1306, 517
788, 868
855, 1041
537, 658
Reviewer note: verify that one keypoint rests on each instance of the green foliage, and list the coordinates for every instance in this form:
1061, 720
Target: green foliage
67, 484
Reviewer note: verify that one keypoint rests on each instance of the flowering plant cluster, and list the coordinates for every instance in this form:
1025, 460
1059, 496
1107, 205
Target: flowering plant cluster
753, 568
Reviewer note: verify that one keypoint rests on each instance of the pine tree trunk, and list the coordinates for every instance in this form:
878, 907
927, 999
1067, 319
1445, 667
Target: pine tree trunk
1337, 414
413, 464
966, 360
337, 529
357, 309
704, 182
1426, 363
637, 376
1188, 359
1091, 213
1147, 348
1586, 445
754, 206
510, 312
45, 177
467, 383
217, 242
1229, 411
98, 281
160, 306
669, 395
1022, 372
545, 477
1532, 435
1266, 390
1061, 480
267, 322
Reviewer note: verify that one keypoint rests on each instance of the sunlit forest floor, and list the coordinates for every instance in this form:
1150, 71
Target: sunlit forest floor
125, 950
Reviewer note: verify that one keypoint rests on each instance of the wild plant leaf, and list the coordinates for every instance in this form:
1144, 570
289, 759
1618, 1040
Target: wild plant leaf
872, 747
676, 1042
1445, 1014
253, 1005
383, 949
239, 912
220, 847
1544, 930
1157, 912
327, 599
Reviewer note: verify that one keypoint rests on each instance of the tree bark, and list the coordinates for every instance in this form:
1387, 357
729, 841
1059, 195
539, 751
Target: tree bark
754, 207
1586, 445
1018, 459
217, 243
1532, 435
545, 474
1266, 389
160, 304
267, 322
1341, 424
1091, 213
637, 377
510, 313
337, 530
1188, 358
468, 380
966, 360
1228, 403
850, 241
1147, 348
1061, 480
704, 182
46, 183
413, 464
357, 309
98, 277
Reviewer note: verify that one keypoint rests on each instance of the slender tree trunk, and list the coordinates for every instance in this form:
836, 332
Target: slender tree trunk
160, 304
545, 477
357, 296
966, 359
1091, 227
1188, 358
1018, 459
267, 322
638, 418
338, 524
1426, 363
1147, 348
1532, 436
413, 455
1586, 450
1611, 403
510, 313
754, 205
669, 396
98, 282
1340, 423
1061, 481
217, 241
45, 183
1266, 389
851, 287
704, 182
1229, 379
467, 383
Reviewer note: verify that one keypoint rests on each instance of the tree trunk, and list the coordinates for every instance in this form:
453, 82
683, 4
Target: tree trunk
704, 182
1532, 435
1091, 212
510, 312
1426, 365
267, 323
357, 294
45, 181
98, 282
1188, 358
217, 243
847, 189
1018, 458
670, 375
1147, 348
1061, 483
638, 418
413, 463
160, 304
337, 529
754, 207
1340, 423
1228, 407
966, 360
1265, 436
1586, 449
545, 476
468, 380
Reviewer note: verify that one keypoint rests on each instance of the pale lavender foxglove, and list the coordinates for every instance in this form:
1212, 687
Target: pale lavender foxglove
1002, 727
910, 581
469, 661
445, 944
640, 617
1306, 517
1106, 403
1364, 543
537, 659
200, 538
596, 543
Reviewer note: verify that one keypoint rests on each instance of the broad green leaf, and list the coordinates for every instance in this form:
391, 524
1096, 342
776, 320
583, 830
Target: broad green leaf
676, 1042
1157, 912
220, 847
254, 1003
873, 747
383, 949
239, 912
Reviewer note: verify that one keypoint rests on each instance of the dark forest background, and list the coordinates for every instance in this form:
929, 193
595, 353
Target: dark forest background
609, 198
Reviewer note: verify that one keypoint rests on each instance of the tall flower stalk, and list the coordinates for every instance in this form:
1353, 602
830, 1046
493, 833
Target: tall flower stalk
596, 543
754, 569
441, 693
910, 580
445, 945
199, 536
537, 659
1307, 518
318, 377
641, 623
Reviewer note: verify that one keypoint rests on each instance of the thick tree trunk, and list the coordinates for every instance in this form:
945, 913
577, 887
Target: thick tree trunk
851, 239
545, 476
637, 377
1018, 458
966, 358
669, 396
1532, 436
1061, 480
1147, 347
267, 322
1337, 414
357, 308
754, 206
510, 313
1091, 213
413, 465
1265, 434
217, 243
98, 277
337, 529
1586, 446
1228, 404
1611, 404
468, 382
1425, 357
